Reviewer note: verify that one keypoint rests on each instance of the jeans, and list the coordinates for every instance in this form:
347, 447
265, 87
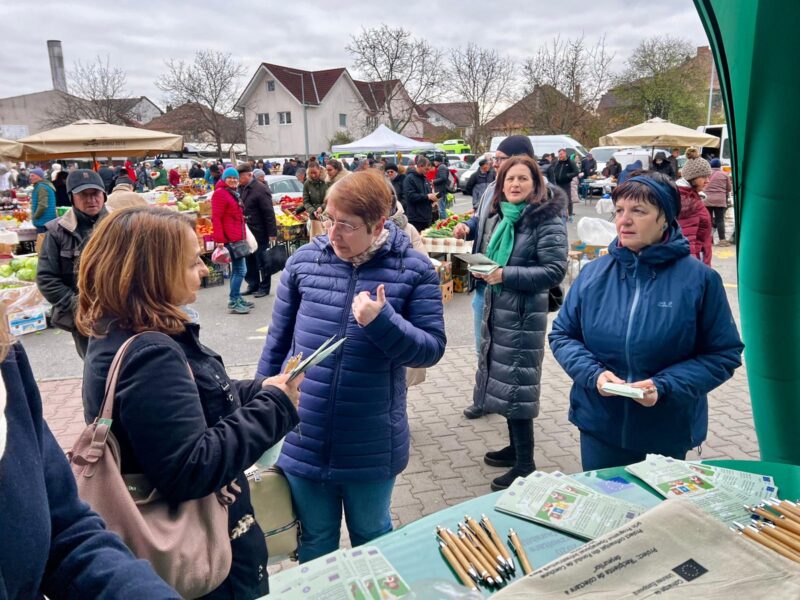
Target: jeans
597, 454
238, 272
443, 205
319, 508
477, 313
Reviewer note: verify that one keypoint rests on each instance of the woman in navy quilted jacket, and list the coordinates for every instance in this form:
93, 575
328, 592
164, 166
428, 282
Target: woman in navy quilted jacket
365, 282
649, 315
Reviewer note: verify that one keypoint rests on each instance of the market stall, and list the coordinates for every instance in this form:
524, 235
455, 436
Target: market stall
383, 139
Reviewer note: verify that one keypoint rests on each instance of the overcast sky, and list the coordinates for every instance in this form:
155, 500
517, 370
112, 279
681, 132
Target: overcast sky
139, 36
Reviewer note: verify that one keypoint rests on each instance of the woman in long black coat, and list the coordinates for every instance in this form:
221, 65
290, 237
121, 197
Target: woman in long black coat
526, 236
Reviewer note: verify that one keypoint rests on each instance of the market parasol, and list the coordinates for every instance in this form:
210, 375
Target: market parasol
658, 132
384, 139
10, 149
97, 138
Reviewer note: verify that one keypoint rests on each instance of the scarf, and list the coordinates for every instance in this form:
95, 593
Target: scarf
502, 243
367, 255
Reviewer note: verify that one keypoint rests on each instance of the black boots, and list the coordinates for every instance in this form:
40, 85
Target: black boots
519, 455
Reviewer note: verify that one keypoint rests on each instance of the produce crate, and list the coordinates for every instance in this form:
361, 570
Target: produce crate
293, 233
447, 292
445, 272
460, 277
215, 276
587, 249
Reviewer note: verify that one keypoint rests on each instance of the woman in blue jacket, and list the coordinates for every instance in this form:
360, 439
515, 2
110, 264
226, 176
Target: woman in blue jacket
50, 542
648, 315
362, 281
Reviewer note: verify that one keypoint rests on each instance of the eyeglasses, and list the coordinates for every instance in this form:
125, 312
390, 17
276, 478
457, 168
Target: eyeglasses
499, 159
329, 223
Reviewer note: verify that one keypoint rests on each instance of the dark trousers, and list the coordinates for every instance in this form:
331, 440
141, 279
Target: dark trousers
520, 432
718, 219
567, 189
258, 276
597, 454
81, 343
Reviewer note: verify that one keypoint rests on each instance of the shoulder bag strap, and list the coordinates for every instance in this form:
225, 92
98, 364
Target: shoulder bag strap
107, 407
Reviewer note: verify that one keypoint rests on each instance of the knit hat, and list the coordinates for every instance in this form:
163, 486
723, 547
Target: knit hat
258, 173
37, 171
515, 145
715, 163
123, 180
391, 167
695, 167
230, 172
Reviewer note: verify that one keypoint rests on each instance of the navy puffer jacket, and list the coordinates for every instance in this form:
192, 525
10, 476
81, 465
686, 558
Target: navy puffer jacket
658, 314
353, 422
515, 319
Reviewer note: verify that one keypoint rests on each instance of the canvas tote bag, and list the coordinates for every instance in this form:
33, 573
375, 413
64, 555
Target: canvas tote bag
188, 544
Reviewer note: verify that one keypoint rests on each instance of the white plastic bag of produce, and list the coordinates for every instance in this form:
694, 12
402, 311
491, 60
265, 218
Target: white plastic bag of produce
596, 232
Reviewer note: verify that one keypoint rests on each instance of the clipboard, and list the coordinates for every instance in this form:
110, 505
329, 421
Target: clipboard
297, 365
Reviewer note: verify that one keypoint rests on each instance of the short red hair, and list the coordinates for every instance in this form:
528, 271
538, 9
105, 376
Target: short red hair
365, 194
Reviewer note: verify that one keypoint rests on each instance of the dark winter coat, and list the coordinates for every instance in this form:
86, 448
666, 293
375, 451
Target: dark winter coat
441, 179
193, 433
314, 192
658, 314
258, 211
353, 421
515, 319
612, 169
416, 189
108, 176
628, 171
664, 167
227, 215
588, 166
562, 173
57, 271
477, 184
695, 222
397, 184
53, 543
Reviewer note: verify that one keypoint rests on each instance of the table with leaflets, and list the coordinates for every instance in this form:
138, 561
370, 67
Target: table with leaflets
413, 554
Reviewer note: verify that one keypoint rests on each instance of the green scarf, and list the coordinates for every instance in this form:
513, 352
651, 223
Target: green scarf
502, 243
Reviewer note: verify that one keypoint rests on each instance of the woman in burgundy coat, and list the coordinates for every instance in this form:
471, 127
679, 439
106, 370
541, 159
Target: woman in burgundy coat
694, 219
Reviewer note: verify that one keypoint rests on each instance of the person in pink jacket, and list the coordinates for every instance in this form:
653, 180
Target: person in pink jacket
718, 190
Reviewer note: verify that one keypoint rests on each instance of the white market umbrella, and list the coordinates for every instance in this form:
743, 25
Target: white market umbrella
658, 132
90, 138
10, 149
384, 139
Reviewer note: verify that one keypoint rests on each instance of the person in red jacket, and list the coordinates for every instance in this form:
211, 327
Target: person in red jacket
227, 217
694, 219
174, 177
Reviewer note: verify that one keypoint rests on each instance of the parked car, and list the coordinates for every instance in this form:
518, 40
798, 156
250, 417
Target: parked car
602, 153
284, 185
456, 146
547, 144
458, 168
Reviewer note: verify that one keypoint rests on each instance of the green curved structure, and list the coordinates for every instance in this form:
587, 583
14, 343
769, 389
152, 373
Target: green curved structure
754, 44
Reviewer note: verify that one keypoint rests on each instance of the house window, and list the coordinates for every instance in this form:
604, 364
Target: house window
263, 118
342, 120
371, 121
285, 118
271, 85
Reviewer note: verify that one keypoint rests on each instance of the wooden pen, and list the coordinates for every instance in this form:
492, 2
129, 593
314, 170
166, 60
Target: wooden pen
753, 534
484, 554
778, 519
451, 560
497, 556
477, 560
457, 552
523, 558
498, 542
781, 510
790, 541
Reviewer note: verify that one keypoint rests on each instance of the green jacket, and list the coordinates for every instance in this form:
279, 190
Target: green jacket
314, 192
162, 178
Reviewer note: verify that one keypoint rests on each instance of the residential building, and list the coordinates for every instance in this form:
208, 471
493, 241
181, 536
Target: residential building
450, 117
139, 110
193, 122
24, 115
274, 101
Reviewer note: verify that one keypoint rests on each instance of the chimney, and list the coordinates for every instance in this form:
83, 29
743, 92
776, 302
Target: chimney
57, 65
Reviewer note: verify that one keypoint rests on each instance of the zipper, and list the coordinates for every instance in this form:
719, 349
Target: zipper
335, 382
634, 306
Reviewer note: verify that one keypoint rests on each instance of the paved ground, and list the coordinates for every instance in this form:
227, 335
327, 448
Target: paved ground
446, 465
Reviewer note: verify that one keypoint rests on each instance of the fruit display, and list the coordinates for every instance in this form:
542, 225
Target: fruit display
187, 203
288, 220
203, 226
290, 206
444, 227
24, 269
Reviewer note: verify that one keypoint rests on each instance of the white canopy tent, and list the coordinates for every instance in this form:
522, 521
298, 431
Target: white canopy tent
383, 139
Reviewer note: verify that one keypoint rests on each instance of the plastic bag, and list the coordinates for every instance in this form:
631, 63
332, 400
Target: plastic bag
596, 232
221, 256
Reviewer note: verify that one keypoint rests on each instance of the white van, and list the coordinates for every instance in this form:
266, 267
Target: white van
547, 144
724, 151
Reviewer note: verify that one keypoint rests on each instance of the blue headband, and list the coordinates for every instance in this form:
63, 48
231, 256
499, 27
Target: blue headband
666, 195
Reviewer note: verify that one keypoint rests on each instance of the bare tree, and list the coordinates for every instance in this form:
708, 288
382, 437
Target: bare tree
483, 78
565, 81
661, 80
390, 56
97, 91
213, 80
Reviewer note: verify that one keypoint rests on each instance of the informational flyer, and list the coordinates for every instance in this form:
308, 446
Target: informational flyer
362, 573
720, 492
560, 502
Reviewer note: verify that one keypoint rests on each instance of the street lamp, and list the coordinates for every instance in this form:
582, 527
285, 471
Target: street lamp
305, 107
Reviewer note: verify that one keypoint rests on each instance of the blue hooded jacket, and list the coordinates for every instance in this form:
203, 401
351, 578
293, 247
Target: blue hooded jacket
658, 314
628, 171
353, 421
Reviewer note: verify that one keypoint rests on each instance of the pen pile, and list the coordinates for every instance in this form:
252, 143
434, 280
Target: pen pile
477, 555
775, 525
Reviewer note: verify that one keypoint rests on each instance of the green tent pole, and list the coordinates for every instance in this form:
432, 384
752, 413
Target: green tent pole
754, 45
